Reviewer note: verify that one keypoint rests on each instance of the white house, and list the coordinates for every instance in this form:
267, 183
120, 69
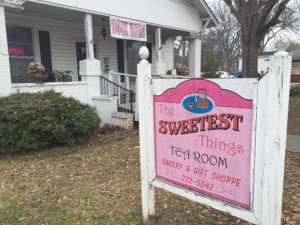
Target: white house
263, 63
91, 38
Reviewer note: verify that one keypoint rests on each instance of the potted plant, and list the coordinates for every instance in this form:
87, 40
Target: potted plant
182, 70
36, 72
62, 75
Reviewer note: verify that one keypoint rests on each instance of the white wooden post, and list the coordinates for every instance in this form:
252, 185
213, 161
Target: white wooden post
194, 57
5, 79
146, 126
90, 68
160, 66
88, 25
278, 99
158, 44
273, 120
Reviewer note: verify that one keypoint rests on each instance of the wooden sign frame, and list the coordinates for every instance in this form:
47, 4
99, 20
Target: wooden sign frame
270, 110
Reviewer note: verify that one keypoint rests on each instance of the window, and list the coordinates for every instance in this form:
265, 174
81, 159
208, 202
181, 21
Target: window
20, 49
133, 58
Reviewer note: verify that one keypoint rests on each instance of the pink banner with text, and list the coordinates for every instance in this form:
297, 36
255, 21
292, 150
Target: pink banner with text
128, 29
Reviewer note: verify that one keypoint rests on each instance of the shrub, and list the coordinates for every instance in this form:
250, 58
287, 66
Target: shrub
30, 121
210, 75
295, 91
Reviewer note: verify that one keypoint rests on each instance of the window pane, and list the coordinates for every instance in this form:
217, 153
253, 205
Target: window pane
19, 46
132, 67
19, 35
18, 69
19, 50
133, 50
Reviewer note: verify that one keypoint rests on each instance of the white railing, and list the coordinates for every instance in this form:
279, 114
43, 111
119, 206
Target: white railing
125, 84
172, 76
126, 90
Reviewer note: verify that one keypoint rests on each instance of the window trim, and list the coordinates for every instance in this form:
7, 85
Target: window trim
35, 41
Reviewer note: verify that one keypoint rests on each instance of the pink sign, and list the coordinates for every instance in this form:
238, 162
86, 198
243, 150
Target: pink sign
203, 140
127, 29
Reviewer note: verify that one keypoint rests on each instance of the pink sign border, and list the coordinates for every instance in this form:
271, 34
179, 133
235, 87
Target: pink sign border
176, 94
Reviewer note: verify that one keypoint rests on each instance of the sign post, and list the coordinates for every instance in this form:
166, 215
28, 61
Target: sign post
219, 142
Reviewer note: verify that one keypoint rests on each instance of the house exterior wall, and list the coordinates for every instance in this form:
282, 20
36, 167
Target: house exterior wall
263, 63
140, 11
63, 38
167, 54
106, 106
77, 90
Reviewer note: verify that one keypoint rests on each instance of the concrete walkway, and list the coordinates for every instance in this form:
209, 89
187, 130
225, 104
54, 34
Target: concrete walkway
293, 143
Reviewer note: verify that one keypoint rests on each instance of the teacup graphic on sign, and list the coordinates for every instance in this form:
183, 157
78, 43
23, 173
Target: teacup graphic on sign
198, 103
191, 105
202, 101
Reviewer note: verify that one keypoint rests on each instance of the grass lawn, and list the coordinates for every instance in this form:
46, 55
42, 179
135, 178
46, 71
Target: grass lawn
294, 116
99, 183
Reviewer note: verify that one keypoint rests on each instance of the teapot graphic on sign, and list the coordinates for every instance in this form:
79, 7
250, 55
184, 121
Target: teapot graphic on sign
201, 98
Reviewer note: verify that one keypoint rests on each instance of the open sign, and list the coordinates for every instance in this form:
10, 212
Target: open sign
16, 50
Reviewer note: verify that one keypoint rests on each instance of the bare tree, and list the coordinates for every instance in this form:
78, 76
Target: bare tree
225, 37
294, 47
256, 18
181, 51
289, 20
211, 54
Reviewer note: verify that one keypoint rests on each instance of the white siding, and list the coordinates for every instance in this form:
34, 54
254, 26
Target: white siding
63, 38
167, 55
77, 90
263, 63
168, 13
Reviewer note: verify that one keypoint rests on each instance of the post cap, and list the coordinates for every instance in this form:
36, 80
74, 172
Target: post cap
144, 53
282, 40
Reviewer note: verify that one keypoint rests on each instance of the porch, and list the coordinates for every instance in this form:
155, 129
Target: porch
64, 36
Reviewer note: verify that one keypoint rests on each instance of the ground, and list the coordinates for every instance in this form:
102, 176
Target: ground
99, 183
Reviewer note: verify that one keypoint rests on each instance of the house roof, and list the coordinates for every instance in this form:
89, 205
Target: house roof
181, 15
205, 12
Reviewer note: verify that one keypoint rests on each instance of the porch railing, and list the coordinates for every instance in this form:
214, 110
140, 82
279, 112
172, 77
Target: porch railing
172, 76
125, 96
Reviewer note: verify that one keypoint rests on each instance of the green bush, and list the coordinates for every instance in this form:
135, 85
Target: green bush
30, 121
295, 91
209, 75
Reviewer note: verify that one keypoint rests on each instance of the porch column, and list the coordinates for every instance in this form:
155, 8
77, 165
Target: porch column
160, 66
90, 68
5, 79
194, 57
88, 26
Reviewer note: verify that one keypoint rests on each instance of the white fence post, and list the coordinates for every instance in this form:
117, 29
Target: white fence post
273, 123
146, 123
5, 78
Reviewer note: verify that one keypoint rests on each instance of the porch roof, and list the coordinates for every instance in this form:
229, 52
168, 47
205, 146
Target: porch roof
156, 13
